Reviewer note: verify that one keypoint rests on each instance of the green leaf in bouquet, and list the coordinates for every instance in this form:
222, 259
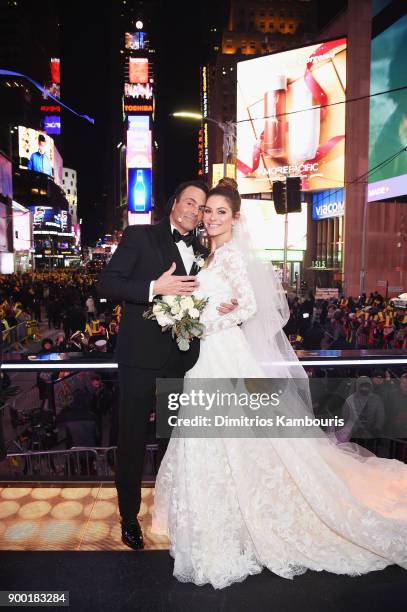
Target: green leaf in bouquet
183, 344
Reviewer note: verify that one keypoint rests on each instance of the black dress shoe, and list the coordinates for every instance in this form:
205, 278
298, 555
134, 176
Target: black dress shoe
132, 535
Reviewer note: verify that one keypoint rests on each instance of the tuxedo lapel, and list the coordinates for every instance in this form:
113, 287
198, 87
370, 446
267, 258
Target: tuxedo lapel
168, 247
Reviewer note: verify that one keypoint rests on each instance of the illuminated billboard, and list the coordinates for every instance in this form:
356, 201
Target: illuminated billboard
138, 90
6, 177
291, 118
328, 204
3, 228
138, 151
138, 85
55, 70
22, 228
267, 227
138, 122
137, 108
139, 183
138, 70
51, 219
388, 126
134, 40
52, 124
77, 233
36, 150
58, 168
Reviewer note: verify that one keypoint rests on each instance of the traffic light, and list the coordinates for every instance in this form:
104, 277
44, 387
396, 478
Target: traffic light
279, 197
293, 188
287, 195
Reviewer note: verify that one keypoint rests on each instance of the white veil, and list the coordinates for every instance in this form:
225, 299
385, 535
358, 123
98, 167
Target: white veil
264, 332
270, 346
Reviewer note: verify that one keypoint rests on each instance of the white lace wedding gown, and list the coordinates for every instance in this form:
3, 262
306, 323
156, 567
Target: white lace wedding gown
234, 506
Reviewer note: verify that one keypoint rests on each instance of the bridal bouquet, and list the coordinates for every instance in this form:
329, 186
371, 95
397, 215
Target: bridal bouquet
179, 314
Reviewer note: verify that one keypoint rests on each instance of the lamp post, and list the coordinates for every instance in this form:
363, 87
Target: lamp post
228, 128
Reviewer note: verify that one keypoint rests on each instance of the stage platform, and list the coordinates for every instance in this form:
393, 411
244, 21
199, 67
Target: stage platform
67, 538
68, 517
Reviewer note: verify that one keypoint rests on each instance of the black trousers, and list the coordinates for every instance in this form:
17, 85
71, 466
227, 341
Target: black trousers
137, 398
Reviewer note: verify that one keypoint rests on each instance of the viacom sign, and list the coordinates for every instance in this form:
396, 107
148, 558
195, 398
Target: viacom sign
327, 204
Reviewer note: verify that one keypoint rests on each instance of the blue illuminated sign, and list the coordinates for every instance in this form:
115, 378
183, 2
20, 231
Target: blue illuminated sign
52, 124
327, 204
139, 190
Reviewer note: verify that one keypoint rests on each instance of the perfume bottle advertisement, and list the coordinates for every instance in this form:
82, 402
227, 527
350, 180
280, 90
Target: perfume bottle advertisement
139, 181
291, 118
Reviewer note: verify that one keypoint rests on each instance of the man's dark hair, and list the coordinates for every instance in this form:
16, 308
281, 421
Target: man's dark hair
41, 138
178, 192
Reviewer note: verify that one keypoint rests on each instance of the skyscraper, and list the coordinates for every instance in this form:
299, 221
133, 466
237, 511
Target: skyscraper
254, 28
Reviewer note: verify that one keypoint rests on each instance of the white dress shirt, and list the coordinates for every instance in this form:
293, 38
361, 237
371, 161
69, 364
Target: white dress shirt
187, 256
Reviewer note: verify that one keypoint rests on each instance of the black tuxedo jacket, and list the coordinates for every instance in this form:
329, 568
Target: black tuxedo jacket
144, 253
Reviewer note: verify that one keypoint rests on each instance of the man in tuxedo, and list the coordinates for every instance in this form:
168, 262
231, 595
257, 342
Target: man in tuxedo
150, 260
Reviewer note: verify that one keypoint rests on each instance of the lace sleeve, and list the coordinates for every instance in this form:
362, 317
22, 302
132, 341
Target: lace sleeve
235, 272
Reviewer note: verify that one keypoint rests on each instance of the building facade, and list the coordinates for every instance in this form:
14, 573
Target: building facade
254, 28
71, 192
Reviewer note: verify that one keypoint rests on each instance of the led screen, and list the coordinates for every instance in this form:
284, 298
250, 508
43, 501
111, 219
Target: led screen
138, 150
36, 150
388, 124
52, 124
290, 118
139, 190
52, 219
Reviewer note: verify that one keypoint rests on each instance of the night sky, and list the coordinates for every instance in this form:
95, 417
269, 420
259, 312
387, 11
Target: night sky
92, 81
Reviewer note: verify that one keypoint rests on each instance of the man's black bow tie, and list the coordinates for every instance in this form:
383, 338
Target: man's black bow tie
188, 238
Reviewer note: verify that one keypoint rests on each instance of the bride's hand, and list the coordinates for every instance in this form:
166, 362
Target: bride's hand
225, 308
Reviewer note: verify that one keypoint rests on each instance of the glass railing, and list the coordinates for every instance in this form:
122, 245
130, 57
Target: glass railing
60, 412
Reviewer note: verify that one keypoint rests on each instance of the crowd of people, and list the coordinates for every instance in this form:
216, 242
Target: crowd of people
367, 322
68, 301
64, 300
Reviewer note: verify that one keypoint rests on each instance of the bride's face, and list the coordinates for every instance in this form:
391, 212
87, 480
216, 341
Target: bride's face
218, 217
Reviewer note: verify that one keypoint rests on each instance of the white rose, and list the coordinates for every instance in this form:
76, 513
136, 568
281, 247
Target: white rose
200, 263
187, 303
164, 319
157, 309
178, 316
175, 309
169, 299
193, 313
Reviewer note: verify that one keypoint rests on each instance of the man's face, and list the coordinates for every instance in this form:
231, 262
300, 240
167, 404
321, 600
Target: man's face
41, 147
364, 389
187, 211
96, 384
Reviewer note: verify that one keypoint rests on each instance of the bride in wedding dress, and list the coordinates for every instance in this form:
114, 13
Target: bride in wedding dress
233, 506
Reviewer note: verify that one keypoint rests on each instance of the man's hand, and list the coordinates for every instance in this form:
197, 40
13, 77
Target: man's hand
225, 308
170, 284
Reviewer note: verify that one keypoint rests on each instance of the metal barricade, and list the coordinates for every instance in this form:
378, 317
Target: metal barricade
71, 464
14, 337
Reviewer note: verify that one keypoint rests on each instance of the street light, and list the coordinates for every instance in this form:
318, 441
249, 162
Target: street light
228, 128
